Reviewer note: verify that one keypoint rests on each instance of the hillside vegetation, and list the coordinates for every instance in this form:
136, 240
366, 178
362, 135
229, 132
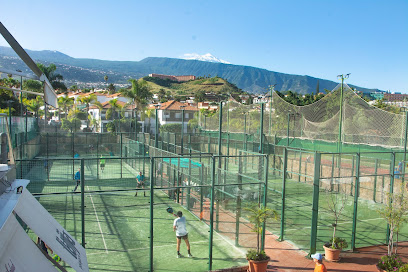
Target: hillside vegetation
249, 79
180, 90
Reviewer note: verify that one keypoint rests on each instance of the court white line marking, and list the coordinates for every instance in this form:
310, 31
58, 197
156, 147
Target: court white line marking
99, 224
144, 248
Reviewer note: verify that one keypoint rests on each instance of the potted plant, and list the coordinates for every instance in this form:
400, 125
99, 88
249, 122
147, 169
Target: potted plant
258, 260
394, 212
336, 203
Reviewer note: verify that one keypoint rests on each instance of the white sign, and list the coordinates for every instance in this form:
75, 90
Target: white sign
18, 253
51, 232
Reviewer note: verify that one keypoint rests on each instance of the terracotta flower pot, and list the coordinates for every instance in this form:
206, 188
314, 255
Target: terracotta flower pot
258, 266
332, 255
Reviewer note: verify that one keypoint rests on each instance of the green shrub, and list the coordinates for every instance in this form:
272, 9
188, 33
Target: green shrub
254, 255
403, 268
390, 263
339, 243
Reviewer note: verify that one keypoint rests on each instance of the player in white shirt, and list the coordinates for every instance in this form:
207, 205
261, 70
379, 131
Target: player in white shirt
180, 227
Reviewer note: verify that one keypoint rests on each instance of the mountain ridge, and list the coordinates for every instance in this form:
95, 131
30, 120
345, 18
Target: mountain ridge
248, 78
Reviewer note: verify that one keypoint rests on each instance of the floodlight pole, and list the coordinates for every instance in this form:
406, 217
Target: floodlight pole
245, 134
156, 137
342, 77
182, 128
21, 93
272, 88
261, 130
220, 134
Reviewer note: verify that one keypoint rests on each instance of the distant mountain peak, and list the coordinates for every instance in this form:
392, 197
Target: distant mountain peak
206, 57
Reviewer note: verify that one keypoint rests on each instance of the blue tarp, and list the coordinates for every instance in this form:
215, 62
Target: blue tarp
184, 162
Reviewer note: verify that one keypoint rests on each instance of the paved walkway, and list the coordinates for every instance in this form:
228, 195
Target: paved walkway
285, 257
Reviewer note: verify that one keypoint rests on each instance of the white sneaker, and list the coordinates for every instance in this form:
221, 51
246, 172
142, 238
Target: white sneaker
178, 256
190, 256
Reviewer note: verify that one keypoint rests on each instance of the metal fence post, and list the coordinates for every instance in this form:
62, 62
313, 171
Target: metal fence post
83, 200
151, 211
392, 176
315, 207
210, 247
356, 194
285, 166
238, 201
265, 198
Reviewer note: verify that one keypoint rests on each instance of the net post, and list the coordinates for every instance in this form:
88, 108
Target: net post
315, 205
356, 194
375, 180
284, 174
204, 175
151, 211
83, 201
300, 165
188, 183
210, 247
178, 180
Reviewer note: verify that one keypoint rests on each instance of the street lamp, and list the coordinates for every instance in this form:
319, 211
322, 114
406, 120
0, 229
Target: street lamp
182, 128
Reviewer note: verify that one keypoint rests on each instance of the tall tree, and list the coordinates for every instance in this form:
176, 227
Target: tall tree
149, 113
54, 78
87, 100
139, 94
111, 89
34, 105
65, 103
114, 109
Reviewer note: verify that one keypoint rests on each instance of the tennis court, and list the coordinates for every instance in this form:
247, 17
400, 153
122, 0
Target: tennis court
117, 233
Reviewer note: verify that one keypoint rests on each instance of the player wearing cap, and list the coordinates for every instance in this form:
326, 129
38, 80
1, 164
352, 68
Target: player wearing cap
180, 227
319, 266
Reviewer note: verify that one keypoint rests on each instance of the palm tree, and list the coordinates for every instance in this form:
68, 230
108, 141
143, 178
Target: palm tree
34, 105
139, 94
115, 109
65, 102
100, 107
54, 78
149, 113
87, 100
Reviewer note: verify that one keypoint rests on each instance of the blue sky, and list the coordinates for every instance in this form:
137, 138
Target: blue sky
319, 38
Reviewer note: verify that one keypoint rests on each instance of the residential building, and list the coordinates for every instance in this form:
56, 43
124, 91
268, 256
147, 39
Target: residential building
100, 114
171, 113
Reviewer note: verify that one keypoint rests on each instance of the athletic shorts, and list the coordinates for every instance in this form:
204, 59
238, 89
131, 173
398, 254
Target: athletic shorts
102, 165
141, 184
185, 237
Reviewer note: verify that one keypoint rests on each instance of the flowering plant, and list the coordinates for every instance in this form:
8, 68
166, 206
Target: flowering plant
256, 255
390, 262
